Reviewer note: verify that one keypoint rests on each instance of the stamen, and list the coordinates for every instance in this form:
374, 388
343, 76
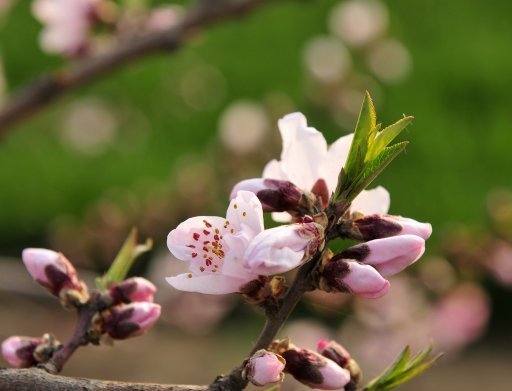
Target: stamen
196, 236
194, 255
189, 276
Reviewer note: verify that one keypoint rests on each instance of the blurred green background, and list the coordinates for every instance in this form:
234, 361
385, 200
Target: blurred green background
166, 112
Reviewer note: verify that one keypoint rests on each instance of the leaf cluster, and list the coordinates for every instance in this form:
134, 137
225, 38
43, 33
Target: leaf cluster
369, 153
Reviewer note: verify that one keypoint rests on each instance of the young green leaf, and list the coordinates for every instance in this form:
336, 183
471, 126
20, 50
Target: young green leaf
384, 138
402, 370
124, 260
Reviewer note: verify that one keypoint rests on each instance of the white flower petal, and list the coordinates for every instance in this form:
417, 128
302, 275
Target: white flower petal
245, 214
303, 148
374, 201
335, 159
213, 284
188, 236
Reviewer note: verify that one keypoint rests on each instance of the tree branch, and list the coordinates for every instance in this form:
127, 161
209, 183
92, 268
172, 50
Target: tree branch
40, 93
40, 380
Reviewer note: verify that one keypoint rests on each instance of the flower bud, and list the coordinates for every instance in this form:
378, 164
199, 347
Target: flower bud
274, 195
314, 370
343, 275
334, 351
383, 226
51, 269
264, 368
337, 353
389, 255
19, 351
132, 290
280, 249
130, 320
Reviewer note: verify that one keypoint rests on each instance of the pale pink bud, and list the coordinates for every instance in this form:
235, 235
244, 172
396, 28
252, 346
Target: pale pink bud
51, 269
19, 351
130, 320
314, 370
389, 255
274, 195
264, 368
383, 226
280, 249
132, 289
342, 275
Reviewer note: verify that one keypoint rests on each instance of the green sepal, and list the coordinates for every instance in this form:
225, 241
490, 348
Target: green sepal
124, 260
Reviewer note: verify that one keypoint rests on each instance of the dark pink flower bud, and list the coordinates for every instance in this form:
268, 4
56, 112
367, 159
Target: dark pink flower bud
51, 269
130, 320
383, 226
314, 370
389, 255
19, 351
274, 195
264, 368
345, 275
334, 351
132, 289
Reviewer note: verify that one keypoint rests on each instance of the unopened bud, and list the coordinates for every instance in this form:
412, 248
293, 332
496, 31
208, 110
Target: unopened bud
345, 275
51, 269
278, 250
314, 370
337, 353
334, 351
389, 255
19, 351
130, 320
132, 290
382, 226
264, 368
274, 195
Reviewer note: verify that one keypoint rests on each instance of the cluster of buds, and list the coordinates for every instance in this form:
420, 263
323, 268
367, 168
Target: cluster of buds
125, 310
132, 312
329, 368
393, 244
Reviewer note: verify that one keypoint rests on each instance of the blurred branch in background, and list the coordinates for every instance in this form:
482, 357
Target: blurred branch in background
39, 93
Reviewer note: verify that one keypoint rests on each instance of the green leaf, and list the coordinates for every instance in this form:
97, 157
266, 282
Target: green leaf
124, 260
365, 126
402, 370
384, 138
374, 168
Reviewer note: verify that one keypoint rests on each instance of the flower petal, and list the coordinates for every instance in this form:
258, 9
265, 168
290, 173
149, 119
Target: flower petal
365, 281
213, 284
335, 160
184, 240
303, 148
245, 214
374, 201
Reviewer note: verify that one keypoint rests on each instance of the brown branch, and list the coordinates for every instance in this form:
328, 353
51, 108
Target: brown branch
40, 93
40, 380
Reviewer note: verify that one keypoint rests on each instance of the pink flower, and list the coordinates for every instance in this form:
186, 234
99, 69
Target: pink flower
225, 254
314, 370
130, 320
383, 226
67, 24
334, 351
51, 269
310, 164
264, 368
19, 351
215, 247
132, 289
